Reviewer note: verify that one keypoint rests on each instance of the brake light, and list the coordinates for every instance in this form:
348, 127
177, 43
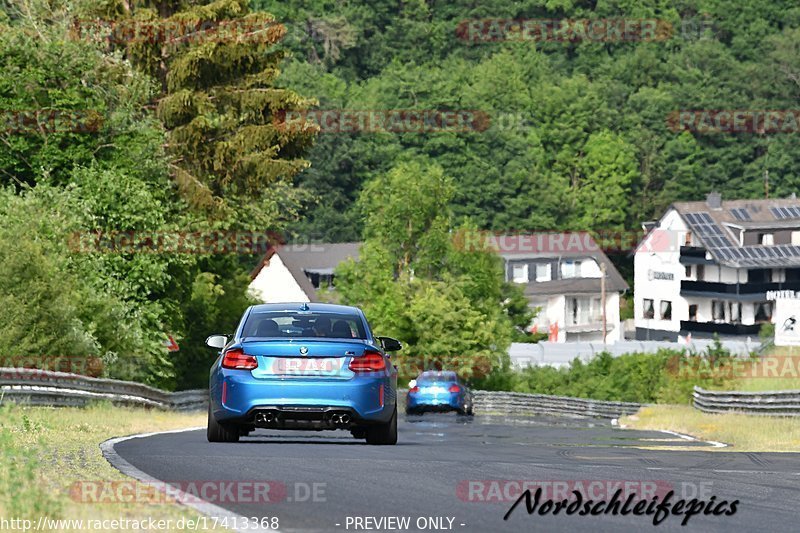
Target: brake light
371, 361
413, 389
238, 360
454, 388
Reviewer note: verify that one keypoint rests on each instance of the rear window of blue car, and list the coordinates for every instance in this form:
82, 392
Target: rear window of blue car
437, 377
287, 324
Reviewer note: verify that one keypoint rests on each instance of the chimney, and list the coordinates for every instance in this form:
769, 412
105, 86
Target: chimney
714, 200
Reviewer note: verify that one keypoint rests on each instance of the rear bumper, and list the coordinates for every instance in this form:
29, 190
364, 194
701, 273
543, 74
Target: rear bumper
450, 401
300, 399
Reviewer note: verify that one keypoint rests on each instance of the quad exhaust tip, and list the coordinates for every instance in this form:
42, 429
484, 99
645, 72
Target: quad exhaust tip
340, 419
266, 418
269, 418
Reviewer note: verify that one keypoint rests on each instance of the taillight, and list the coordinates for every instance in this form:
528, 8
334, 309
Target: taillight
371, 361
454, 388
237, 359
413, 389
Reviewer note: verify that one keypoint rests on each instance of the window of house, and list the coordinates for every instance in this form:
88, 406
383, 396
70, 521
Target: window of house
693, 312
759, 275
688, 240
735, 312
313, 277
649, 309
766, 239
688, 271
583, 310
796, 238
571, 269
574, 311
666, 310
762, 311
520, 273
543, 272
701, 272
318, 280
718, 310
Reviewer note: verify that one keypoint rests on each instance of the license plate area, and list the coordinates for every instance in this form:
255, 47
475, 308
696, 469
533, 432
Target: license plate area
306, 366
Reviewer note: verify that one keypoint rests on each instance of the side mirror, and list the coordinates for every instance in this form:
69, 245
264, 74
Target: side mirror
217, 341
390, 345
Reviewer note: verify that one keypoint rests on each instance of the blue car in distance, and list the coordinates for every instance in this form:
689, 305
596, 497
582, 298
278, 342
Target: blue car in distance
438, 391
303, 366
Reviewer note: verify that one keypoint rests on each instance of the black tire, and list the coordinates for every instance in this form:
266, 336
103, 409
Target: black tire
217, 432
384, 434
358, 433
467, 410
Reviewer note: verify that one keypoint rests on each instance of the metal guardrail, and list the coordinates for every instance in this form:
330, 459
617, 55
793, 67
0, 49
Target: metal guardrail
519, 403
771, 403
486, 402
46, 387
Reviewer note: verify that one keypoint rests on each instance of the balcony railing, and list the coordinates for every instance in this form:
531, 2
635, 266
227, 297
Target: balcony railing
738, 288
720, 328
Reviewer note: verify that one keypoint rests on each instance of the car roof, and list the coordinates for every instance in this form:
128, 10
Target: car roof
445, 374
306, 306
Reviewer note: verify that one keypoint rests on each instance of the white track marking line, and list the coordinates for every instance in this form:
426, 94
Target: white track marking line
713, 443
189, 500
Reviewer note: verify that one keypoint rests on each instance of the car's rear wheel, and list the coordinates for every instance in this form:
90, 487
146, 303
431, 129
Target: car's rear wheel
384, 434
217, 432
467, 409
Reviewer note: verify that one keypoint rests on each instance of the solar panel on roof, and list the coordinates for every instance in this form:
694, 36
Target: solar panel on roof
721, 245
740, 213
783, 213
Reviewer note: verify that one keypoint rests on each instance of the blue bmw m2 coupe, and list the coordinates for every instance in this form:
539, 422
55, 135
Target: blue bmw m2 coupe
303, 366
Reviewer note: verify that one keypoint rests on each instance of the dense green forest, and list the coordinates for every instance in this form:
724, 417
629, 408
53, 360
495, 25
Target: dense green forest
182, 127
578, 137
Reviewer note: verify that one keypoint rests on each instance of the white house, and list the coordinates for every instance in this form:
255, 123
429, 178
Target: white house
562, 277
716, 267
294, 272
561, 273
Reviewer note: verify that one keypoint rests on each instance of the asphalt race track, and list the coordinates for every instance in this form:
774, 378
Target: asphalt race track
428, 474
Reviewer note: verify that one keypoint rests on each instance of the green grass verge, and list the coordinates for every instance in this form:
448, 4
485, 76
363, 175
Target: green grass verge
743, 433
44, 451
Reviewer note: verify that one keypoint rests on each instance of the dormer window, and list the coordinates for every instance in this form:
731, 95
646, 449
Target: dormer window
571, 269
520, 273
766, 239
543, 272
